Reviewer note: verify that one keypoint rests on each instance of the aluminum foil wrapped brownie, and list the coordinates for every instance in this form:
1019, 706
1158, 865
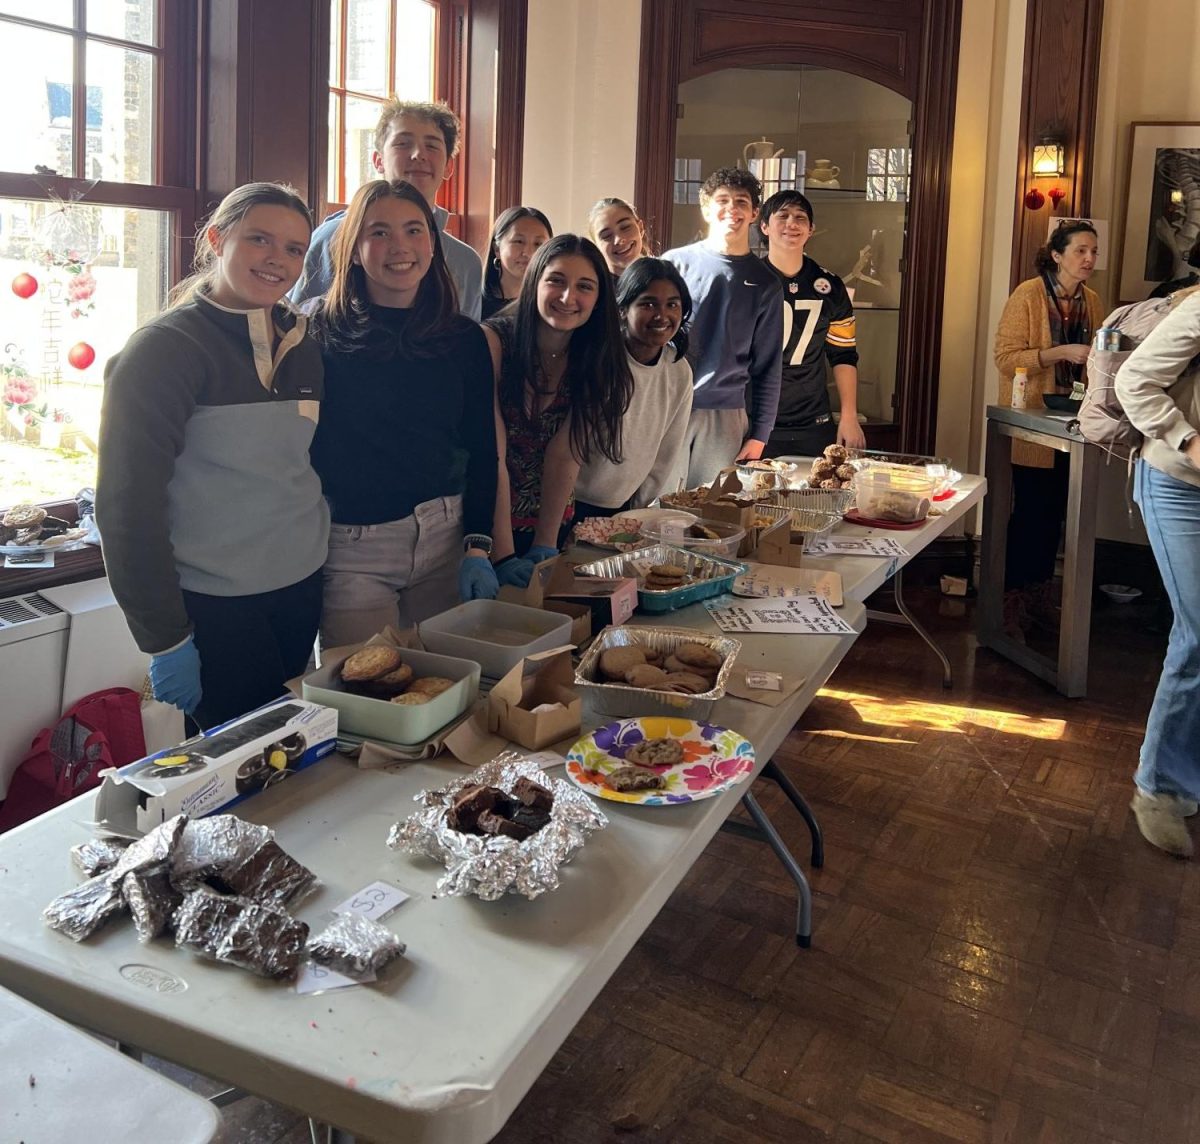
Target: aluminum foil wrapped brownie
97, 855
209, 846
250, 935
355, 945
269, 875
151, 899
491, 865
150, 849
80, 912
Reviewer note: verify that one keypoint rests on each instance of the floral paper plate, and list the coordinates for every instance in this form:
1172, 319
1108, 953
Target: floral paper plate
714, 759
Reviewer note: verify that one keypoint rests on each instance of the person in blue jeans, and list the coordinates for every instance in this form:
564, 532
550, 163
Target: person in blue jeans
1157, 388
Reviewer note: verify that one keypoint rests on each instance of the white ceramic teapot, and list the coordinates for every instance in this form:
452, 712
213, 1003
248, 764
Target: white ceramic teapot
760, 149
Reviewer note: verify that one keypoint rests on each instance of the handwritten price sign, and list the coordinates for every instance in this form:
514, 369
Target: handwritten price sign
374, 901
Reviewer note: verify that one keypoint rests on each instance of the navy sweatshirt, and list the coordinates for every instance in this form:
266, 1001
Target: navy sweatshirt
398, 430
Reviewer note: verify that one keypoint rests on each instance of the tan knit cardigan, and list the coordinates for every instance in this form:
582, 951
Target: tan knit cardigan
1024, 330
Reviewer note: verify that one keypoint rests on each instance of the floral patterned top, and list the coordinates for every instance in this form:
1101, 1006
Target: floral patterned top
527, 442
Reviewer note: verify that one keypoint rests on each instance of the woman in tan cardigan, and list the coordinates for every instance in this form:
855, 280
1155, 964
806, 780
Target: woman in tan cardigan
1047, 327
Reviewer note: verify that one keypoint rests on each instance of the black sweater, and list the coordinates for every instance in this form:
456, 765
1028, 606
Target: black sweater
397, 430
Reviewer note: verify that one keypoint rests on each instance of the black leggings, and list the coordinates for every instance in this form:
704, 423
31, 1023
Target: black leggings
250, 646
1035, 527
808, 442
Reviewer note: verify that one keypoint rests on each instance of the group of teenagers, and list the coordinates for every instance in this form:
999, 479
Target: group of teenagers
318, 436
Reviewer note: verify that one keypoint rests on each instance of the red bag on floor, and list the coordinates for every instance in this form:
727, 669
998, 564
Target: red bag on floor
102, 730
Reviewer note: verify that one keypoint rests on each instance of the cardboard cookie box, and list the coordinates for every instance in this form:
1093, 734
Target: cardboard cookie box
217, 768
723, 500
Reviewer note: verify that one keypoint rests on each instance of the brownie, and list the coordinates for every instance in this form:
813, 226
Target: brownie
270, 874
155, 847
492, 823
532, 794
151, 899
264, 940
80, 912
200, 923
98, 854
471, 802
531, 817
355, 945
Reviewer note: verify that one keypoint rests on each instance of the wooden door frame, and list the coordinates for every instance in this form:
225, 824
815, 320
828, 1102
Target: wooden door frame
910, 47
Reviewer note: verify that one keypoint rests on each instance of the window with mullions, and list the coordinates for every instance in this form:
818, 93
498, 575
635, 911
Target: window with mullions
888, 174
377, 48
88, 217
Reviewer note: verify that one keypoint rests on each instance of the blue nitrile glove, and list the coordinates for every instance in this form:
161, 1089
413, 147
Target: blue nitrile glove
540, 552
514, 571
175, 677
477, 579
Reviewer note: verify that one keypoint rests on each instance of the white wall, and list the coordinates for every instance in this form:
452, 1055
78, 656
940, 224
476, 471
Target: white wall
581, 90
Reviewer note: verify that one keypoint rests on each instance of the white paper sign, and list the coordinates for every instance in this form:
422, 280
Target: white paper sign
877, 546
314, 978
811, 616
545, 759
374, 901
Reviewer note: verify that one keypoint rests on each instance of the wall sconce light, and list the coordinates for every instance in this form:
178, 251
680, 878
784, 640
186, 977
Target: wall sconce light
1049, 158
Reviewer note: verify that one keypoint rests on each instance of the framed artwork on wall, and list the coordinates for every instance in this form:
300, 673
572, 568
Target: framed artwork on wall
1162, 207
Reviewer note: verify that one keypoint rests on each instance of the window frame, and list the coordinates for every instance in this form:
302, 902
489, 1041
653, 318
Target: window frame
449, 31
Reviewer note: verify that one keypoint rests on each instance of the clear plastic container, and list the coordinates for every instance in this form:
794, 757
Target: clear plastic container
680, 531
495, 634
893, 493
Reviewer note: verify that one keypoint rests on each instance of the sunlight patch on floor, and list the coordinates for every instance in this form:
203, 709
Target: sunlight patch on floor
948, 717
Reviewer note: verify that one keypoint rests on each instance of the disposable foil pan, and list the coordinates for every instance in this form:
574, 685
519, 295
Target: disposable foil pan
619, 699
836, 501
709, 575
490, 867
805, 521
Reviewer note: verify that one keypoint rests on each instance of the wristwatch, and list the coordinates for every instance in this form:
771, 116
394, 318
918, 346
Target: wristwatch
478, 540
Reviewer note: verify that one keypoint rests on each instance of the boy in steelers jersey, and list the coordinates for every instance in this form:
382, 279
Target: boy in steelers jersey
818, 324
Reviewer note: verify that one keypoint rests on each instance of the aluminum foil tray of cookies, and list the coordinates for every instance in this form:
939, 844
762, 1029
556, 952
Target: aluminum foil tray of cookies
490, 866
621, 699
703, 576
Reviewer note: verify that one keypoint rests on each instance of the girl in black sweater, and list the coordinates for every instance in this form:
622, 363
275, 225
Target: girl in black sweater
406, 448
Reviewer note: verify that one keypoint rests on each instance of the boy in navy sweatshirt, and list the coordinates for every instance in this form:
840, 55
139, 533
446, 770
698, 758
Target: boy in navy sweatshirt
736, 333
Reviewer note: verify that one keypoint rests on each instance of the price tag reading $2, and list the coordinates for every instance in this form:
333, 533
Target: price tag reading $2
374, 901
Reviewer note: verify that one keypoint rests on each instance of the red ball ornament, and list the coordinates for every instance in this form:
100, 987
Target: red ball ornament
1034, 199
24, 285
81, 355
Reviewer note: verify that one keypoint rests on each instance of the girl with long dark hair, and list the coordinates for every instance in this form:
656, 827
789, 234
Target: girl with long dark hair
654, 304
564, 385
518, 233
407, 447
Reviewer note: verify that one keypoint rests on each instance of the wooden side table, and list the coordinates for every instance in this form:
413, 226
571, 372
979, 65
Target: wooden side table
1067, 672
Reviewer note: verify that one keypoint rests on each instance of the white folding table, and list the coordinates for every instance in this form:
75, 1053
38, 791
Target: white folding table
59, 1083
447, 1043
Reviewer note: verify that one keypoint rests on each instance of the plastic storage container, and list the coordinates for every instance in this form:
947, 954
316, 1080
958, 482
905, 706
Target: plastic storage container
494, 634
674, 530
619, 699
387, 722
892, 493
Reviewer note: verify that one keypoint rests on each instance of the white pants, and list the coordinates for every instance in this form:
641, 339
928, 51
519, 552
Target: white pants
398, 573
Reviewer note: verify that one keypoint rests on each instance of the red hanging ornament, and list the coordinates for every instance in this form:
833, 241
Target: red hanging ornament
1034, 199
1057, 194
81, 355
24, 285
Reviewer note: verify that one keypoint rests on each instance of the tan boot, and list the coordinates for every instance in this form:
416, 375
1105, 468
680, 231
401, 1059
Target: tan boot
1160, 819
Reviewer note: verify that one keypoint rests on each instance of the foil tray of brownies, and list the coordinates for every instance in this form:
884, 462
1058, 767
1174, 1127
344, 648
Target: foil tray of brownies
506, 828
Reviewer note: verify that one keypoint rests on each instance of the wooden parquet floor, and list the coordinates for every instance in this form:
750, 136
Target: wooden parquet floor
998, 957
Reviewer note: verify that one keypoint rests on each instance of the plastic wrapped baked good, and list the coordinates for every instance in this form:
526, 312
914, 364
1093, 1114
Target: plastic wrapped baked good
269, 875
355, 945
97, 855
80, 912
151, 899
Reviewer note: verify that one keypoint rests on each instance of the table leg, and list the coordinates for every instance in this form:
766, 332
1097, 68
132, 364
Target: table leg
1075, 628
906, 617
997, 508
772, 771
804, 910
327, 1134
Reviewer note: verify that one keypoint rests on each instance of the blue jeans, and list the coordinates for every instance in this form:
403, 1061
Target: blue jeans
1170, 756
